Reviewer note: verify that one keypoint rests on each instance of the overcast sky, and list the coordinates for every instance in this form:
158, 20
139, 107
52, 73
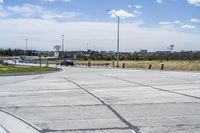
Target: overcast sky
145, 24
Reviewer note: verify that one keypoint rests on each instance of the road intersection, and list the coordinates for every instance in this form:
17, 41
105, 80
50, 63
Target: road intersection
104, 100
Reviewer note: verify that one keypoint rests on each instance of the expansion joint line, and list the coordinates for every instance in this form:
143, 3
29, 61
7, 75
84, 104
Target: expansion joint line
132, 127
156, 88
84, 130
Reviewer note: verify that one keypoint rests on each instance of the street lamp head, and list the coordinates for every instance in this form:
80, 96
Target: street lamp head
113, 12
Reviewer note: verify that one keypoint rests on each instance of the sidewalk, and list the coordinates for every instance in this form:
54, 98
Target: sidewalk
11, 124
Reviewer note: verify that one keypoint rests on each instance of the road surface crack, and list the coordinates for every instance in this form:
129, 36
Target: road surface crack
132, 127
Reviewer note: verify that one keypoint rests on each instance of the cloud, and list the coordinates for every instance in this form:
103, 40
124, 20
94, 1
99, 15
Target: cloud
188, 27
195, 20
129, 6
194, 2
159, 1
25, 10
137, 13
177, 22
138, 6
121, 13
51, 1
44, 34
3, 14
174, 24
165, 23
35, 11
1, 1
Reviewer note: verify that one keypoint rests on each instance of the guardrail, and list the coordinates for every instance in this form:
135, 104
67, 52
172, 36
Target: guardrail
88, 64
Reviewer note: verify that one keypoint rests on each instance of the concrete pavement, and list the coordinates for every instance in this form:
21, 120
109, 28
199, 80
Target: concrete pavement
12, 124
100, 100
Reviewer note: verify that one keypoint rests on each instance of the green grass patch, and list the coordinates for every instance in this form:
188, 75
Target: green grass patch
10, 69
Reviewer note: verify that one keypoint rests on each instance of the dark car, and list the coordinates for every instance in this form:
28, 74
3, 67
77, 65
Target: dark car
67, 63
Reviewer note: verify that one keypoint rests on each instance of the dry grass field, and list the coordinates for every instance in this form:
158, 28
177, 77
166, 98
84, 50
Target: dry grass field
193, 65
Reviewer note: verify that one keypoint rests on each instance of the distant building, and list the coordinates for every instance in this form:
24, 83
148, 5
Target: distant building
111, 52
56, 54
143, 51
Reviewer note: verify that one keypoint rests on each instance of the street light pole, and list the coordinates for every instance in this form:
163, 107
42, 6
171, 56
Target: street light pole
26, 46
63, 43
118, 42
118, 35
63, 46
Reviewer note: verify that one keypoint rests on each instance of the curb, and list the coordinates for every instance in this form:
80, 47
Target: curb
16, 124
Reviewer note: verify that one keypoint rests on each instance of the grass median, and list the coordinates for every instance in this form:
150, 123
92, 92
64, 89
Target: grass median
11, 69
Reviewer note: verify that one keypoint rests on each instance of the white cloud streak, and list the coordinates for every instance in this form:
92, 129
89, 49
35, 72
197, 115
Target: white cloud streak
1, 1
121, 13
51, 1
188, 27
137, 13
138, 6
177, 22
195, 20
165, 23
35, 11
194, 2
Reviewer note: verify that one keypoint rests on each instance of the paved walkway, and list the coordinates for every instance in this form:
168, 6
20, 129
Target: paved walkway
94, 100
12, 124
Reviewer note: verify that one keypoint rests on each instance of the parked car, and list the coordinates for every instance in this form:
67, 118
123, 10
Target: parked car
67, 63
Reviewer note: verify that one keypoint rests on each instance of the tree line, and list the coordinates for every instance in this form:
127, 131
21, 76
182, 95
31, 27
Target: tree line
160, 55
104, 55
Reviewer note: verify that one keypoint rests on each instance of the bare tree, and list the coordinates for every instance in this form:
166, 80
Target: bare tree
171, 47
57, 48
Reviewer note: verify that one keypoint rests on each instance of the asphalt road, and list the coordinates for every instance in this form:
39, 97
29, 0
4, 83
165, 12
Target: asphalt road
100, 100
